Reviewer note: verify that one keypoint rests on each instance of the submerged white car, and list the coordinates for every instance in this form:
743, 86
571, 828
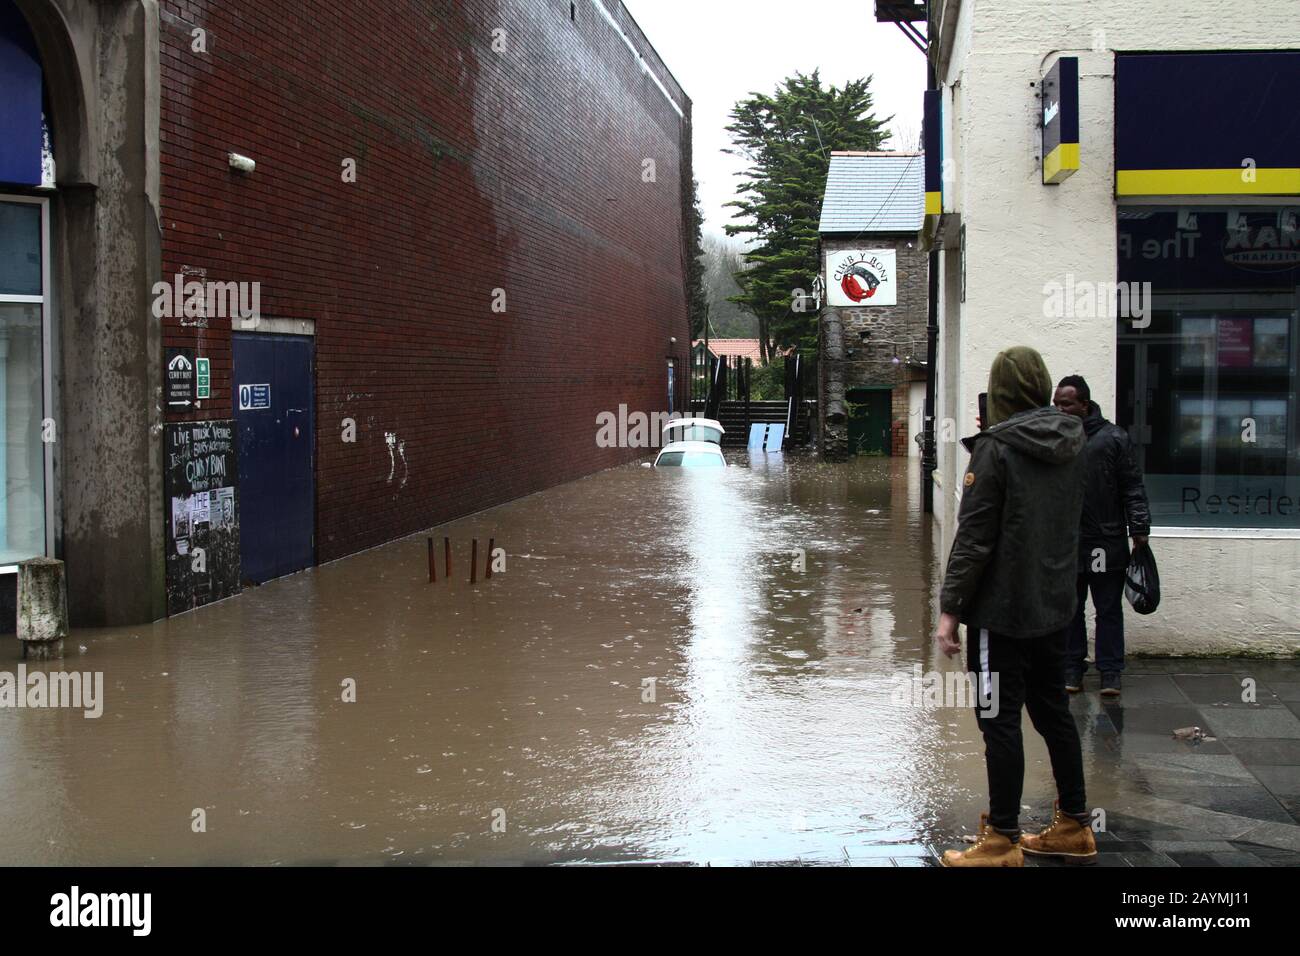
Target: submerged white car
693, 429
690, 454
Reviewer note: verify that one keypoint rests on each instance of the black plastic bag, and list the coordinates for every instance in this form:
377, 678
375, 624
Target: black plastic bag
1142, 580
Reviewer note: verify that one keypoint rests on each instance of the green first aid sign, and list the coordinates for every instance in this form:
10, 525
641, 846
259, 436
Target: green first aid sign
202, 378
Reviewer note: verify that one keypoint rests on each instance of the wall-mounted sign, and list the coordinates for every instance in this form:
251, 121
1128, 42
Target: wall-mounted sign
202, 378
1061, 120
862, 277
253, 397
932, 138
1163, 146
22, 146
179, 377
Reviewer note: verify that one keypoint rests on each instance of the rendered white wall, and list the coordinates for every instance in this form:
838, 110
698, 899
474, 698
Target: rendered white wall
1222, 595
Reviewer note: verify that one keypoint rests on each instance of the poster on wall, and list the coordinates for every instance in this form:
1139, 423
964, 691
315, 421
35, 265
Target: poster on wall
861, 278
1236, 348
202, 546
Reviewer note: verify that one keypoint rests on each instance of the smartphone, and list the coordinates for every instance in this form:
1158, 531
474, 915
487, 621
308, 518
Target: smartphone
984, 410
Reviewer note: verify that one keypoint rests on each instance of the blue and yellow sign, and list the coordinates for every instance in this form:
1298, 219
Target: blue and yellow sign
1203, 124
932, 142
1061, 120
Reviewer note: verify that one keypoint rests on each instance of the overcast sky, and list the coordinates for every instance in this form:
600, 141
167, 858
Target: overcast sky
721, 50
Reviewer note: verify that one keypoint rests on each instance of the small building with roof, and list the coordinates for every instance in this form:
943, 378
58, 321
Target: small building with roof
873, 305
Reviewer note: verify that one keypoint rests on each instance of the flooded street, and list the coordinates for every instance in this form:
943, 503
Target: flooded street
651, 678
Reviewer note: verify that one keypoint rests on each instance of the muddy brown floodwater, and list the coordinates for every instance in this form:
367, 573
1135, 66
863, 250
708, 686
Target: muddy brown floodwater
513, 721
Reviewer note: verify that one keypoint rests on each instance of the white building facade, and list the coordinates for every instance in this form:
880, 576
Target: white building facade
1159, 258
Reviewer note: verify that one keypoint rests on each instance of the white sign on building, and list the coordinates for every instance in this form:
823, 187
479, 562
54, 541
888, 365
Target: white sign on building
861, 277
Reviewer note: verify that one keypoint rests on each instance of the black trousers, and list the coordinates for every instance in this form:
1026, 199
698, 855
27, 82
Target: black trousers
1024, 672
1108, 599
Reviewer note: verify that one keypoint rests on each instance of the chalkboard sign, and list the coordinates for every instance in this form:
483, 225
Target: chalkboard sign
200, 475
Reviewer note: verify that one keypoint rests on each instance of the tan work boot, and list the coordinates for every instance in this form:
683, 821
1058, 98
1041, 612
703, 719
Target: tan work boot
990, 849
1066, 839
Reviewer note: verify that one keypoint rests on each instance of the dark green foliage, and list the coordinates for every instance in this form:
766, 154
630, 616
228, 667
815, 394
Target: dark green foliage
787, 139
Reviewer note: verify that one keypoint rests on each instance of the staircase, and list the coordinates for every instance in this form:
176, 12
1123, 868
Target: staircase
732, 416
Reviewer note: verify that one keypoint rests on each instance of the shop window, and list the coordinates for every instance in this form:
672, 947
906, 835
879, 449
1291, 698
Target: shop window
22, 383
1207, 379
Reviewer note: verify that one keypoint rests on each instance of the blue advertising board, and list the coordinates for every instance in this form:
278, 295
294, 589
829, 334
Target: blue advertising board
20, 105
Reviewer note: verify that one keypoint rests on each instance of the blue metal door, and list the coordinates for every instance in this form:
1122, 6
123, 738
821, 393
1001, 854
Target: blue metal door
274, 404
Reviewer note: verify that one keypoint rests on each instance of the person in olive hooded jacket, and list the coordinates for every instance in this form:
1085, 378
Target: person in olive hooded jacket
1011, 580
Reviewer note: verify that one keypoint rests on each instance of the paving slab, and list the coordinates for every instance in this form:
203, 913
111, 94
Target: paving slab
1161, 719
1255, 801
1226, 690
1279, 780
1196, 767
1215, 824
1206, 847
1265, 751
1286, 690
1274, 722
1142, 690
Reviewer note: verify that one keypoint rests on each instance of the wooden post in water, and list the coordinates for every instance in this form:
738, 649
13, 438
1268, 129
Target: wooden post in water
487, 565
446, 552
473, 562
433, 564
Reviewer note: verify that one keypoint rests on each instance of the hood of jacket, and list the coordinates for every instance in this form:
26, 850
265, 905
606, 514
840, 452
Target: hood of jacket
1043, 433
1018, 381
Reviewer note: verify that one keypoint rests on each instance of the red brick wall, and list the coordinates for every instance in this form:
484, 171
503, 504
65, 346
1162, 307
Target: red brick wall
476, 170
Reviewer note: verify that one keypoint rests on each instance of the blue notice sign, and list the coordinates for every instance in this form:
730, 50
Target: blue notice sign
253, 397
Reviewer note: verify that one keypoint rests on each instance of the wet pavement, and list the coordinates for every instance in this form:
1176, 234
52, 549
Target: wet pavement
688, 667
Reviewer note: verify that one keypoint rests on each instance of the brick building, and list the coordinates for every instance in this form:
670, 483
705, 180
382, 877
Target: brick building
448, 230
872, 329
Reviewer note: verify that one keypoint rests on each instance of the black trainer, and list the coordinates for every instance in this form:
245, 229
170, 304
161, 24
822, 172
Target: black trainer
1110, 684
1073, 680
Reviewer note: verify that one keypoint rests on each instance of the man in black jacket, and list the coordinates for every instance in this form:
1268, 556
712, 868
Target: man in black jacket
1010, 580
1115, 499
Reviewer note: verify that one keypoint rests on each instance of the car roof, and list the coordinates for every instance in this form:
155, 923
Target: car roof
706, 422
692, 446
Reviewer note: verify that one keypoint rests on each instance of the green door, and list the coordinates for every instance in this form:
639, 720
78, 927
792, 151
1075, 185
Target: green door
869, 421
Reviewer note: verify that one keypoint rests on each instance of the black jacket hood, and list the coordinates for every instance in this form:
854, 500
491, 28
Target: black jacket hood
1043, 433
1094, 421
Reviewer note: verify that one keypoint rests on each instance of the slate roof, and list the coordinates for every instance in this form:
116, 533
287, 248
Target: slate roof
874, 192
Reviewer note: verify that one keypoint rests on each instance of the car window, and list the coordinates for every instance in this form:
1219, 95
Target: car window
670, 458
699, 459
